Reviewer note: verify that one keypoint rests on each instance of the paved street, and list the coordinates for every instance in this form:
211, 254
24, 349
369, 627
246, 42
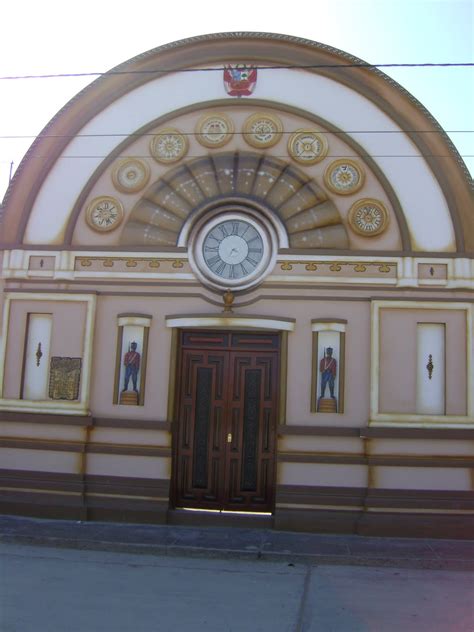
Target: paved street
46, 589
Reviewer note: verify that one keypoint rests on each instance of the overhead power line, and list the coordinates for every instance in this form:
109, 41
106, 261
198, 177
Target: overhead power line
161, 71
140, 135
283, 156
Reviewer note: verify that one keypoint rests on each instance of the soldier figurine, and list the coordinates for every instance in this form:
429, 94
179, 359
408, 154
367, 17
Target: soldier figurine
131, 361
328, 370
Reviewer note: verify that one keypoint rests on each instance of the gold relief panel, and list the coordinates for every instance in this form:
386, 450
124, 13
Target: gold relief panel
353, 269
130, 175
214, 130
368, 217
104, 213
127, 264
307, 147
344, 177
169, 145
64, 378
262, 130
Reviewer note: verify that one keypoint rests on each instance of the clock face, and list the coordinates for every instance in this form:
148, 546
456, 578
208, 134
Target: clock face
233, 249
104, 213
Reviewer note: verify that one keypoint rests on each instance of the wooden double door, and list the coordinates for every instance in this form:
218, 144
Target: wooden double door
224, 441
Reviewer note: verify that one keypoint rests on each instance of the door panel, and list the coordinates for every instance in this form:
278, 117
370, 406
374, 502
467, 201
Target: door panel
200, 431
225, 440
253, 413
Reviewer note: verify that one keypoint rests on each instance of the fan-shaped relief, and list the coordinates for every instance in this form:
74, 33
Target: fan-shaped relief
309, 216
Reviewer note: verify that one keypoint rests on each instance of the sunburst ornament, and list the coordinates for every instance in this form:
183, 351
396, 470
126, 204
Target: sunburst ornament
169, 146
344, 177
368, 217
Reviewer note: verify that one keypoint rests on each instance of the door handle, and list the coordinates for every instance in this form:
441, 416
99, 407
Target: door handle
229, 438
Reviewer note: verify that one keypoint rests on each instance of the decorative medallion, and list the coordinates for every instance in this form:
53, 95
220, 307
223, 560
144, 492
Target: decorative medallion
307, 147
262, 130
368, 217
130, 175
169, 145
214, 130
104, 213
344, 177
240, 80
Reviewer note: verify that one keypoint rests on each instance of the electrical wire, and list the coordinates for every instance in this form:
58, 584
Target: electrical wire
283, 156
160, 71
182, 133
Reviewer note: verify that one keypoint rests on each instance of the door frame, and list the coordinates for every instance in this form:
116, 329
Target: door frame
283, 326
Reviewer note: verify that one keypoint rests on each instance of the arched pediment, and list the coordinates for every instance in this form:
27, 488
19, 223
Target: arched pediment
424, 170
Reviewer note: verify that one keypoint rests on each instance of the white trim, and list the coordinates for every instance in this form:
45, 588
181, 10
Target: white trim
230, 322
45, 406
336, 280
340, 327
460, 271
137, 321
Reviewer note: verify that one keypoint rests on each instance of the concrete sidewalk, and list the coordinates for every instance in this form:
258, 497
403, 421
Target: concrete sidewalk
220, 542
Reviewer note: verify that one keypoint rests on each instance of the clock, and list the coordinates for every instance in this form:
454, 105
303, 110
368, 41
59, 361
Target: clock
307, 147
104, 213
232, 250
368, 217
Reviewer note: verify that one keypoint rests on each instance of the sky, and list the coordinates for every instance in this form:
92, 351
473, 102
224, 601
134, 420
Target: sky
53, 36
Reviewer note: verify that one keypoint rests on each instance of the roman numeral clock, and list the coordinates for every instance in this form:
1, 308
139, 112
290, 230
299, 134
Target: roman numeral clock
233, 250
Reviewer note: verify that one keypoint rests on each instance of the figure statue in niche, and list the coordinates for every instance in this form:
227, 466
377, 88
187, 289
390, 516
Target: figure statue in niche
131, 361
328, 370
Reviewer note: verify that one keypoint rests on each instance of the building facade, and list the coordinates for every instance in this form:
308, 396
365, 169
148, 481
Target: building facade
238, 276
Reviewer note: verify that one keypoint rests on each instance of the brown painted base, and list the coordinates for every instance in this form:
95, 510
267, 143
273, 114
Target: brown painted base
327, 405
394, 525
129, 398
375, 512
73, 497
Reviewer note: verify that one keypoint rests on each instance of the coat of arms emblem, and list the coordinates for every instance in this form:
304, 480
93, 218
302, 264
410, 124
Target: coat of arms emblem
240, 80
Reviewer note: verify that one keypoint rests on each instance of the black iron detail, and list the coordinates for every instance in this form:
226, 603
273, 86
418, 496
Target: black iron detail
250, 429
201, 432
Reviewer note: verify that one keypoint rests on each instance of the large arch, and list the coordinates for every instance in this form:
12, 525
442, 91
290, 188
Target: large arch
437, 191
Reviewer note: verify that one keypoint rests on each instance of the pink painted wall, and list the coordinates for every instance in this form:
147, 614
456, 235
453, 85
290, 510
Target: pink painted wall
397, 393
67, 338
